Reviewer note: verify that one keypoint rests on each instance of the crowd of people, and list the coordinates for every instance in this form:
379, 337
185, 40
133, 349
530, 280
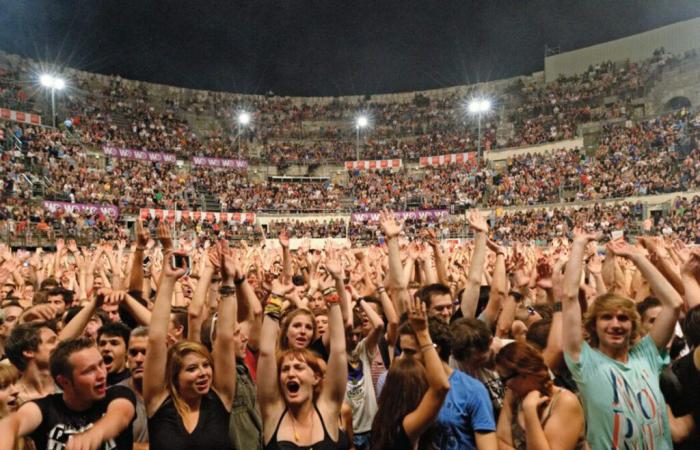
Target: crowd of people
124, 113
406, 343
543, 324
654, 156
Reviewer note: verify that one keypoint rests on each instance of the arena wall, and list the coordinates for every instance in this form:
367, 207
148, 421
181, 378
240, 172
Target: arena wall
675, 38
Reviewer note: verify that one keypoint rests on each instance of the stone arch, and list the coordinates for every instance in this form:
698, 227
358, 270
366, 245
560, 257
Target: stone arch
678, 102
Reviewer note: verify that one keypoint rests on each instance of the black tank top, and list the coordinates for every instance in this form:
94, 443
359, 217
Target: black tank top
166, 430
325, 444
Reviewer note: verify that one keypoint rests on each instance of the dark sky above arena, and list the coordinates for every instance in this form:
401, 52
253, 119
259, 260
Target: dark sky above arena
319, 47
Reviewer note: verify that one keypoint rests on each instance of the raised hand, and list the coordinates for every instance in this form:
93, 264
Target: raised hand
168, 270
477, 222
595, 265
496, 248
417, 315
142, 234
623, 249
333, 264
390, 227
230, 265
692, 265
284, 239
164, 236
582, 235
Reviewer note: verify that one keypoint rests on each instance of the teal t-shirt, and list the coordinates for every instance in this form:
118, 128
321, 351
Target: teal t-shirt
623, 402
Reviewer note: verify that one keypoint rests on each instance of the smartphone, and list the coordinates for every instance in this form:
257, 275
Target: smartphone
180, 261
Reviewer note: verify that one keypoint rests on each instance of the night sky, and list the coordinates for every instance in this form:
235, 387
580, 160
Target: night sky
331, 47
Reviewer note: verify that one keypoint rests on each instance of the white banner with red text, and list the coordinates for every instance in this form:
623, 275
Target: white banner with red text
452, 158
373, 164
196, 216
19, 116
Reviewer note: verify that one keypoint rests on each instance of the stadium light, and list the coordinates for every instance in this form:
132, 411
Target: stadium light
479, 107
244, 118
360, 123
54, 83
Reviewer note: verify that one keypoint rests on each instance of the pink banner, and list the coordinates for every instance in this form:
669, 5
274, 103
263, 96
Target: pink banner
138, 155
452, 158
374, 164
425, 214
219, 162
80, 208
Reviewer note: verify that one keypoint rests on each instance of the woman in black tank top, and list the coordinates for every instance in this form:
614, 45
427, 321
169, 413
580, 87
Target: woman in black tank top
299, 400
188, 402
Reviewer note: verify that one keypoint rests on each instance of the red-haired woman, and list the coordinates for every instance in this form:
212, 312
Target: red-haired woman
189, 392
299, 401
535, 414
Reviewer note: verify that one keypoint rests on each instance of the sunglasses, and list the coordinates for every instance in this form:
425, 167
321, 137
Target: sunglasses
507, 378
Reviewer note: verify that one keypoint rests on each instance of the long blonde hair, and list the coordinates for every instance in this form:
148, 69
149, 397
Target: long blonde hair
176, 355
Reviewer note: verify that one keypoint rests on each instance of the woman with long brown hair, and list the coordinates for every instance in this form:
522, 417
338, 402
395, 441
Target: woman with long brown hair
413, 392
189, 392
535, 414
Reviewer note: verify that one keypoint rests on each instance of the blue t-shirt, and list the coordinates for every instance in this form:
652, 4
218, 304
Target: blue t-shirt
623, 402
467, 409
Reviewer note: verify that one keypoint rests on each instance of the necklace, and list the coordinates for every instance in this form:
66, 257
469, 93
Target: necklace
294, 428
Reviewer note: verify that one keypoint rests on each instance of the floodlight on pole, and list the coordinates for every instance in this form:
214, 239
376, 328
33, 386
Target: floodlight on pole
479, 106
361, 122
243, 121
54, 83
244, 118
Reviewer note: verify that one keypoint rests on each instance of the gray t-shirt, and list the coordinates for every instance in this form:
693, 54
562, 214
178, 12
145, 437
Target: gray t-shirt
140, 423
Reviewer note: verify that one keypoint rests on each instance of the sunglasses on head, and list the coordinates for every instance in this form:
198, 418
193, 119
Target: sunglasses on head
507, 378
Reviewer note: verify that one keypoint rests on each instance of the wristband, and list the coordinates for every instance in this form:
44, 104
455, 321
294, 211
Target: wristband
239, 281
227, 290
428, 346
329, 291
381, 290
273, 308
556, 307
332, 298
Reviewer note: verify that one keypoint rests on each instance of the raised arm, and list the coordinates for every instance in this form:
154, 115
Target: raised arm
572, 336
136, 273
499, 282
376, 323
196, 310
470, 296
154, 392
671, 301
690, 270
337, 373
223, 350
286, 255
416, 422
391, 229
75, 327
